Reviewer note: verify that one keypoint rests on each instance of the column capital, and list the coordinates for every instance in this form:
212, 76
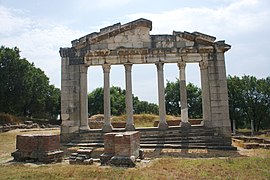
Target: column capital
203, 64
128, 66
181, 65
106, 68
159, 65
83, 69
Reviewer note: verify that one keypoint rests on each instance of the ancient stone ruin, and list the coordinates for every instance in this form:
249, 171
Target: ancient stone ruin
121, 149
131, 44
38, 147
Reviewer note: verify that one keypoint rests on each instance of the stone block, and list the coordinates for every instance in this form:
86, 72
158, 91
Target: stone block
40, 147
105, 158
180, 44
117, 146
123, 161
82, 156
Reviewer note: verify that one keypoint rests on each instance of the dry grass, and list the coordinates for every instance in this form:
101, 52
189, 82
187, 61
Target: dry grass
163, 168
7, 140
141, 120
10, 119
249, 164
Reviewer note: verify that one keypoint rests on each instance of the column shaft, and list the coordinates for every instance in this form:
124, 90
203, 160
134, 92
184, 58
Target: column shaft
129, 101
183, 94
161, 97
205, 94
83, 98
107, 127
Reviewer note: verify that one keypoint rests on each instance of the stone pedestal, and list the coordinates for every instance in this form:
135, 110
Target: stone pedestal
121, 149
38, 147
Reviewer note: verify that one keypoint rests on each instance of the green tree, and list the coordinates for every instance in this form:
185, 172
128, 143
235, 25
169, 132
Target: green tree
249, 99
172, 98
144, 107
25, 89
236, 101
118, 105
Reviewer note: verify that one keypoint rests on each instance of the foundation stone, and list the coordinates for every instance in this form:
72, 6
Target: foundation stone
121, 149
38, 147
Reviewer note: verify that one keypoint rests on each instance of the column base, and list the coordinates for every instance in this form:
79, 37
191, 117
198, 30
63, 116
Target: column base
185, 124
130, 127
84, 128
107, 128
163, 125
206, 123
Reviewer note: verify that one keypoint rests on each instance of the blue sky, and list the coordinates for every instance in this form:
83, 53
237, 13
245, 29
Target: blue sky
40, 28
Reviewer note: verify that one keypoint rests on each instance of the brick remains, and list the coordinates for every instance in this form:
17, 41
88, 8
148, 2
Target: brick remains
121, 149
38, 147
82, 156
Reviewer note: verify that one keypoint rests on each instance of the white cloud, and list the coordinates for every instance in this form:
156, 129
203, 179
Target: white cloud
240, 16
244, 24
11, 21
38, 42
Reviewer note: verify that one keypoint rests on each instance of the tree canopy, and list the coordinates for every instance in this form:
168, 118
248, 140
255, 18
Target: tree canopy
25, 89
118, 105
249, 99
194, 99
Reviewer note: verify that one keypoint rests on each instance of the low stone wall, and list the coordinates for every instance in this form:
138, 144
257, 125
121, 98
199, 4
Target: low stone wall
250, 142
9, 127
176, 122
99, 124
38, 147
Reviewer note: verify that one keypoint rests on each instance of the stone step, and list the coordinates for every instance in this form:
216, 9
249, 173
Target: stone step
168, 146
183, 138
178, 135
152, 130
189, 141
156, 142
154, 133
182, 142
153, 138
189, 146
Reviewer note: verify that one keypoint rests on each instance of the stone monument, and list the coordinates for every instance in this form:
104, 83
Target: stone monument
131, 44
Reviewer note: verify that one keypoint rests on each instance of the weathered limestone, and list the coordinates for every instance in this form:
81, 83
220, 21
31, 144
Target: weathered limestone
161, 97
129, 101
183, 95
107, 99
205, 93
130, 44
83, 99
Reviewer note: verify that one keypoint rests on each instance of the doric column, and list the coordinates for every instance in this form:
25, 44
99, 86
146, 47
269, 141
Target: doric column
161, 97
205, 93
83, 98
129, 101
107, 127
183, 95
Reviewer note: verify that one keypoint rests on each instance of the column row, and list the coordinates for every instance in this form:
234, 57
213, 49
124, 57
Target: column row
107, 127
